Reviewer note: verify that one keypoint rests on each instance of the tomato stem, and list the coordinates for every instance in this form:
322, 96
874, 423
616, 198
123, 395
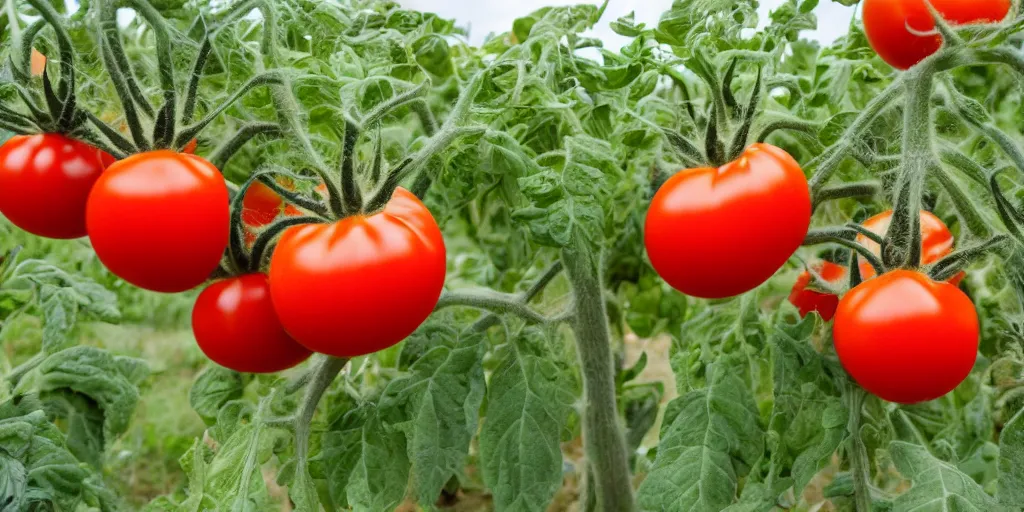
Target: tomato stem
222, 155
603, 439
123, 87
23, 73
119, 69
192, 93
860, 465
351, 197
322, 377
496, 302
165, 60
269, 79
901, 247
847, 190
259, 249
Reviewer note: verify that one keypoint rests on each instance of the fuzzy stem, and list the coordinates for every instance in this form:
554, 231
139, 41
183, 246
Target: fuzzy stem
493, 301
858, 453
603, 440
119, 59
321, 379
222, 155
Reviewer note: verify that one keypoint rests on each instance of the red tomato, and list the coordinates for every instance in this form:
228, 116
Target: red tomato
812, 300
936, 241
361, 284
716, 233
896, 28
160, 220
45, 181
906, 338
261, 205
190, 148
236, 327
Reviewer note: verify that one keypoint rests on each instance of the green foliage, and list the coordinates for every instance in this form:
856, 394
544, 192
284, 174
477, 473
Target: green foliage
537, 149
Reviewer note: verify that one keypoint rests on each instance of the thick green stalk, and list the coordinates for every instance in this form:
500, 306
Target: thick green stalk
603, 440
858, 453
321, 379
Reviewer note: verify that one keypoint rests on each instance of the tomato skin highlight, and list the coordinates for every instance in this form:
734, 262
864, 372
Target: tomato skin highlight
236, 326
808, 301
886, 25
936, 241
160, 220
45, 182
906, 338
361, 284
716, 233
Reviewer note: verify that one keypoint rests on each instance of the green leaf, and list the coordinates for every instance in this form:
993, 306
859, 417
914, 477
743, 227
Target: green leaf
13, 483
60, 312
708, 437
808, 417
213, 388
1011, 462
367, 461
528, 403
98, 375
936, 485
627, 26
441, 400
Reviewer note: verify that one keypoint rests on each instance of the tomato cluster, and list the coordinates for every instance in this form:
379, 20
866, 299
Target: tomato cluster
715, 233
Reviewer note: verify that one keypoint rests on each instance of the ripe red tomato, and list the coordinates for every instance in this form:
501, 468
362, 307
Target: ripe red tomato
895, 28
812, 300
936, 241
190, 148
716, 233
361, 284
906, 338
235, 325
45, 181
159, 220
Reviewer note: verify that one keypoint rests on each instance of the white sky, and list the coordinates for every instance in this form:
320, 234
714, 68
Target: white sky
486, 16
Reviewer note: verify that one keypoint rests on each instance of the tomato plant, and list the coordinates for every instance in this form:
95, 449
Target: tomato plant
700, 217
236, 326
473, 277
159, 220
45, 181
905, 337
323, 274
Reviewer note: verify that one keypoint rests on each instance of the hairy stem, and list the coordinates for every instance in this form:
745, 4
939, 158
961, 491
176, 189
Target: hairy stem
495, 302
858, 453
603, 439
320, 379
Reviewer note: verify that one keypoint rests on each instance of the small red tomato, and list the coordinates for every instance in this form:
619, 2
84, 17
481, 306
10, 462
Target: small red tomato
361, 284
236, 327
812, 300
906, 338
45, 182
936, 241
715, 233
160, 220
902, 32
190, 148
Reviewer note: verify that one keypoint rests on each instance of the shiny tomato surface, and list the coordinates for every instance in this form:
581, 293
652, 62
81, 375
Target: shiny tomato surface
160, 220
361, 284
716, 233
808, 300
236, 327
902, 32
906, 338
45, 182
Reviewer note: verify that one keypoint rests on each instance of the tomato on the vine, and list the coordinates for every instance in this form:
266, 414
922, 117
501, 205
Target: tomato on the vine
936, 241
808, 300
160, 220
361, 284
906, 338
902, 32
236, 326
45, 182
715, 233
261, 205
